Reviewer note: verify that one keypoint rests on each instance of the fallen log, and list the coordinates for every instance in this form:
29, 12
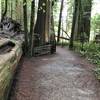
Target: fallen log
9, 59
65, 33
42, 50
11, 40
63, 38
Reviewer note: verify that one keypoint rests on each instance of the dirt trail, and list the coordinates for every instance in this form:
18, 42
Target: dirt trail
62, 76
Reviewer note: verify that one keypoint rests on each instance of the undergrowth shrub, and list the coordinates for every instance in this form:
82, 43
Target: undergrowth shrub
92, 52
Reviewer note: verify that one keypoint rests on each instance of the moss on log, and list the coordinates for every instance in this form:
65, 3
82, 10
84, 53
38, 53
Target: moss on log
8, 64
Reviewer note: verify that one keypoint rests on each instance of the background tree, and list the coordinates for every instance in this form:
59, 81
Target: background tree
25, 25
73, 24
31, 36
5, 10
60, 17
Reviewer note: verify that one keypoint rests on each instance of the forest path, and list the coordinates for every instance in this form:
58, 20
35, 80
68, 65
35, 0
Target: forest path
61, 76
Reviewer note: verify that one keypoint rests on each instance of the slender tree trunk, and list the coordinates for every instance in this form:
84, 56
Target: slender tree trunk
11, 9
32, 27
79, 20
52, 22
25, 25
0, 9
60, 16
20, 13
73, 24
16, 7
5, 11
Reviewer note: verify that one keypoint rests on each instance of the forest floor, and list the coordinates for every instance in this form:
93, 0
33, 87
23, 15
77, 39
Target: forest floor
61, 76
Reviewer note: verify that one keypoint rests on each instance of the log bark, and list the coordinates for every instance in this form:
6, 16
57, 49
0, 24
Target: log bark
8, 65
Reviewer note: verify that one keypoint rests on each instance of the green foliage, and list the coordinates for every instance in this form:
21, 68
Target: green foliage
96, 23
92, 52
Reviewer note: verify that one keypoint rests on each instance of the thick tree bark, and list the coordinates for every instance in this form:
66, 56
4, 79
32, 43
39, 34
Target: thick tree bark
0, 10
77, 22
15, 7
25, 25
31, 35
52, 23
52, 35
21, 13
87, 19
5, 11
41, 21
47, 20
60, 16
83, 21
73, 25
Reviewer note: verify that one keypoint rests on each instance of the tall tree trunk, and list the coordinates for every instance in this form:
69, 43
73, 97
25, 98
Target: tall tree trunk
73, 24
87, 18
11, 9
60, 16
47, 20
5, 11
0, 9
52, 35
52, 23
21, 14
16, 7
84, 17
25, 25
41, 21
80, 14
31, 35
77, 23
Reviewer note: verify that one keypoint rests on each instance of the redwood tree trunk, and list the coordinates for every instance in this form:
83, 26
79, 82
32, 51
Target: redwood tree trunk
41, 21
84, 17
73, 24
32, 27
5, 11
25, 25
60, 16
87, 19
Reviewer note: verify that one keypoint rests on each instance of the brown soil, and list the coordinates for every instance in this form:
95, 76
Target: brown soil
61, 76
